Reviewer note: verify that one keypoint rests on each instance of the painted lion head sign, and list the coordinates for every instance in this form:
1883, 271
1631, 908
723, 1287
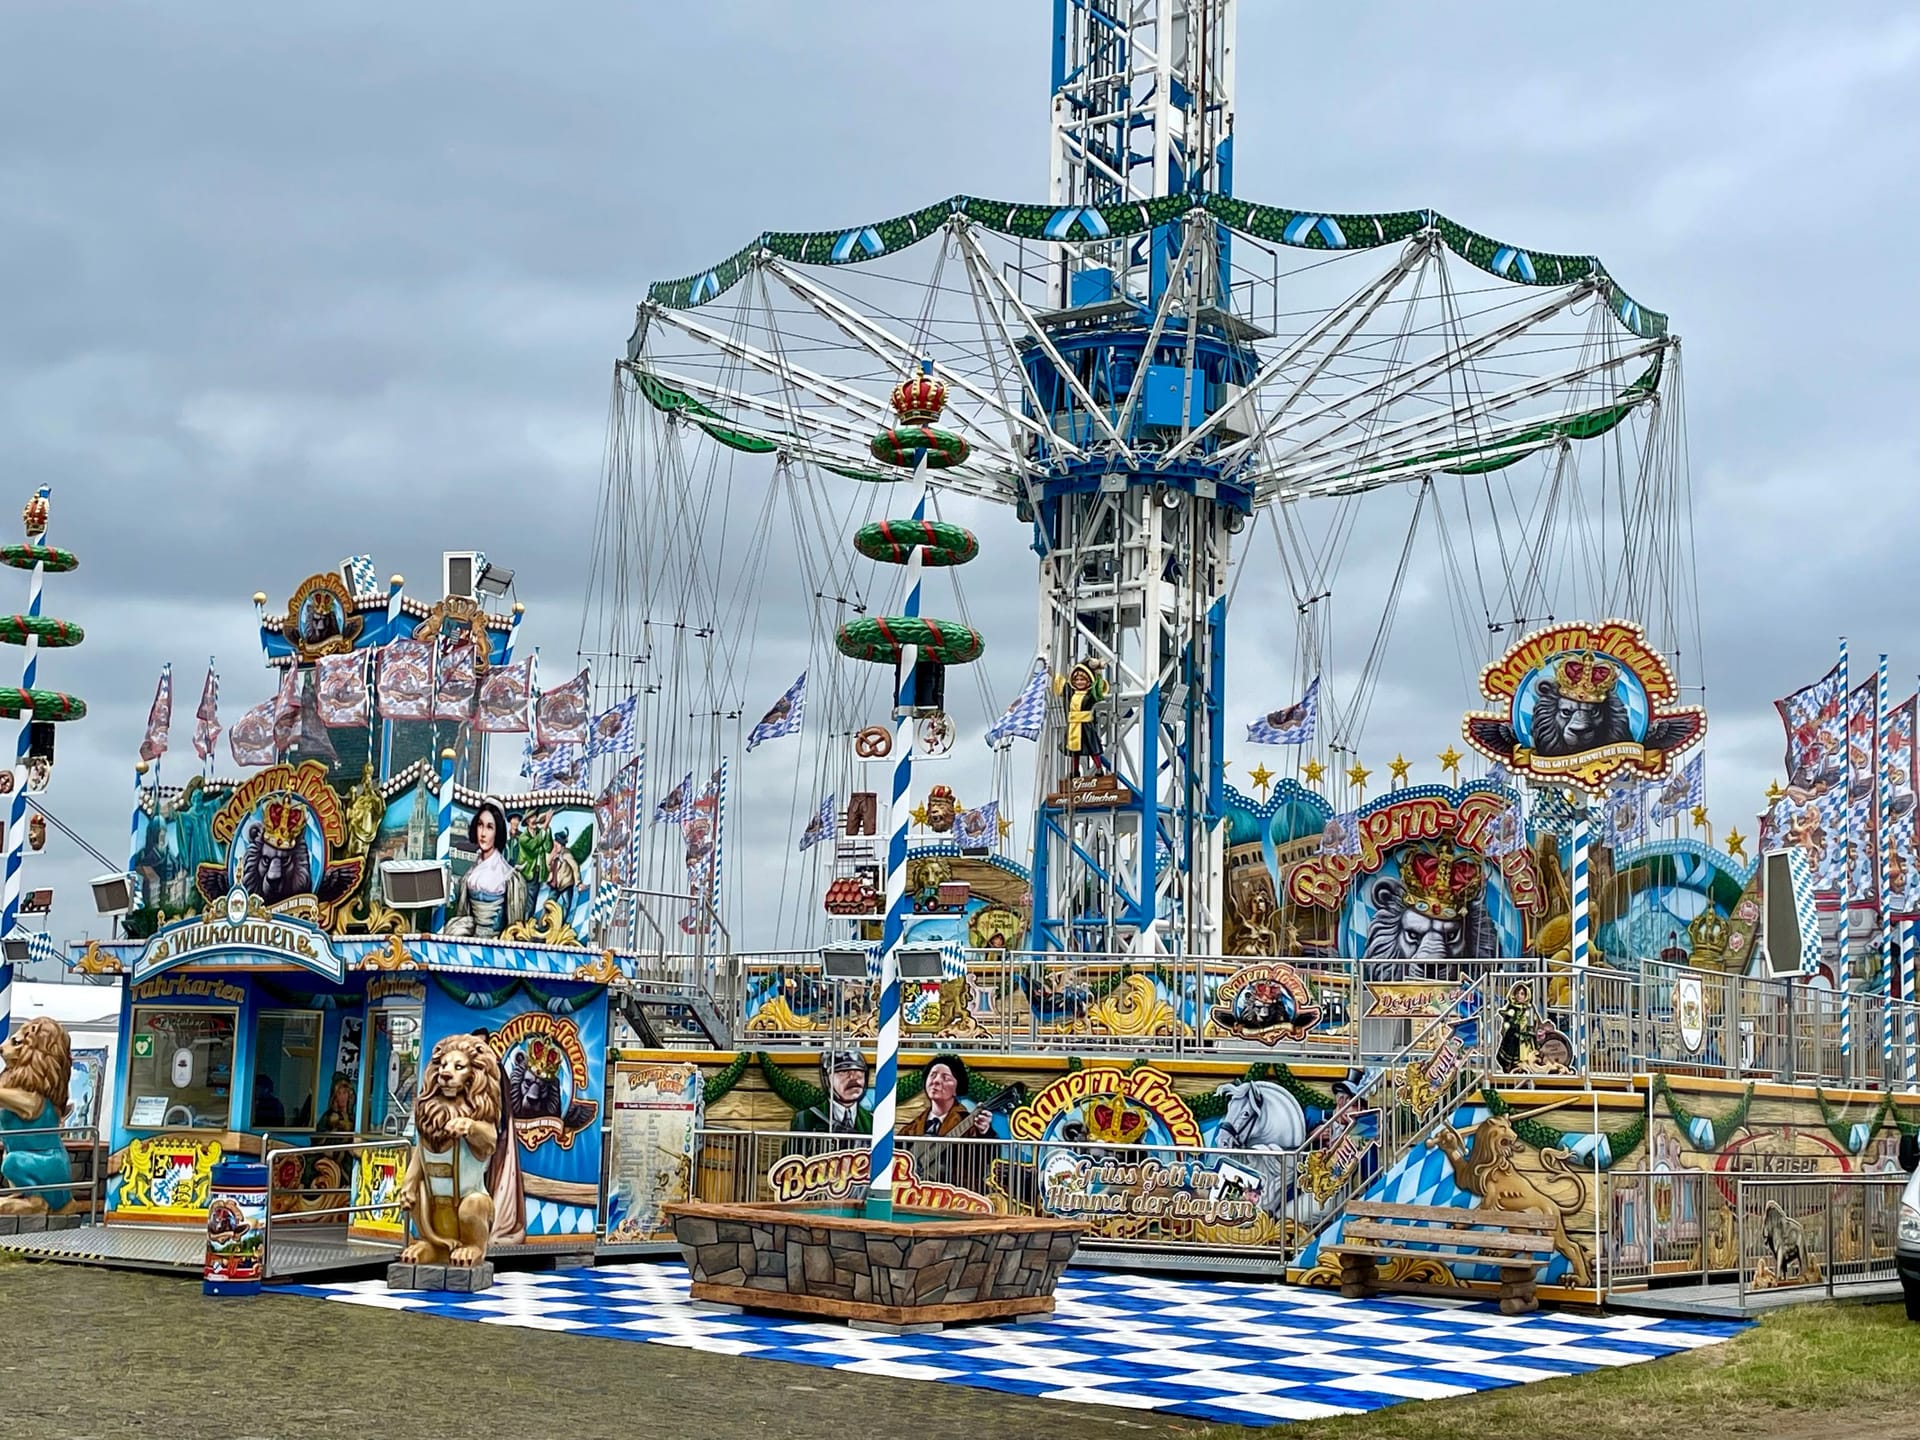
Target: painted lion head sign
1582, 704
1435, 910
320, 618
1428, 877
281, 829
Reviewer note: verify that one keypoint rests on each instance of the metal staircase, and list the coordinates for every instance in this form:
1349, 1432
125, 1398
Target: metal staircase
1405, 1102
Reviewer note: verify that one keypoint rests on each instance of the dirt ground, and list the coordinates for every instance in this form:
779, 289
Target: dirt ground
96, 1353
113, 1354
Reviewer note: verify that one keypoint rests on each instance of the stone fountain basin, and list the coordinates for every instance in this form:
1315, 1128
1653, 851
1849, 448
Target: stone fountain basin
923, 1267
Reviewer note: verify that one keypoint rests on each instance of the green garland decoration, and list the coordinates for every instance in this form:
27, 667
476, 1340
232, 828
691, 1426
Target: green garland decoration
1908, 1128
894, 541
881, 638
1214, 1106
797, 1094
1722, 1128
805, 1095
44, 704
1299, 229
51, 633
476, 999
1618, 1143
903, 445
1840, 1130
562, 1005
24, 557
718, 1085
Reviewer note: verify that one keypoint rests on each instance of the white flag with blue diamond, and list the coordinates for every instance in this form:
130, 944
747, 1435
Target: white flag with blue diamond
784, 717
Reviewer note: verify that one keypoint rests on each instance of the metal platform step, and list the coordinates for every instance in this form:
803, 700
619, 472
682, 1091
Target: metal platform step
180, 1248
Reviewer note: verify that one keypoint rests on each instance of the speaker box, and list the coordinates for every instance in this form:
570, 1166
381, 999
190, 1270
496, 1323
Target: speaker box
414, 884
1779, 916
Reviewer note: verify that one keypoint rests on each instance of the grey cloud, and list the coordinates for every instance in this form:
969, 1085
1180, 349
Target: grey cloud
286, 284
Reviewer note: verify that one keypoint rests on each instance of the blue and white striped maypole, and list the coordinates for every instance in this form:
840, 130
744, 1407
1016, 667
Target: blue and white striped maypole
1883, 811
1908, 969
899, 639
33, 557
17, 817
886, 1081
1843, 976
632, 866
139, 827
443, 842
1581, 920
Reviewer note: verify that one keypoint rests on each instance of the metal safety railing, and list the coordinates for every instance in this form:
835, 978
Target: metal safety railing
295, 1194
93, 1183
1827, 1232
1667, 1225
1192, 1197
1024, 1002
1599, 1020
1758, 1233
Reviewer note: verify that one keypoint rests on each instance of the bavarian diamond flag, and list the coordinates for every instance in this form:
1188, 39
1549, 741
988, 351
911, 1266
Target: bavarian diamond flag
1291, 726
784, 717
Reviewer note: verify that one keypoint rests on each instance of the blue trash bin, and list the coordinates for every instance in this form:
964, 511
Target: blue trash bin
236, 1228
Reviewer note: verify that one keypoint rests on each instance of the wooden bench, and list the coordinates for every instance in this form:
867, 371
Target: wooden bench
1519, 1242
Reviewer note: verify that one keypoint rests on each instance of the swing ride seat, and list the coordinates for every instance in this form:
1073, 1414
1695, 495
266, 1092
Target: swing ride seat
1519, 1243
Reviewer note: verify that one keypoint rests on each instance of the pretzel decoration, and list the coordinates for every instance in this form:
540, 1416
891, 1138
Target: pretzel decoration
873, 743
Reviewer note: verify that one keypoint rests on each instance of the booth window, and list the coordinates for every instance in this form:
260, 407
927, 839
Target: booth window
286, 1069
180, 1071
393, 1072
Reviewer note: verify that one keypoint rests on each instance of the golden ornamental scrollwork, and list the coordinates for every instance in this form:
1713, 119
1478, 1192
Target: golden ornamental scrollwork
549, 927
95, 961
395, 956
603, 971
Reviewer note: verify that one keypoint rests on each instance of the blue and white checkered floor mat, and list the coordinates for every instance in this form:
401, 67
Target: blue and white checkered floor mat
1251, 1354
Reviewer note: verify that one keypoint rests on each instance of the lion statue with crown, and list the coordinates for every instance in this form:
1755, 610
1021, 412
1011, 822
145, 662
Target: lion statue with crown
458, 1125
36, 1064
1435, 911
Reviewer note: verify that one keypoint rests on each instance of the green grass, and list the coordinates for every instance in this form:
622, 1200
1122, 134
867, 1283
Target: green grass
1835, 1371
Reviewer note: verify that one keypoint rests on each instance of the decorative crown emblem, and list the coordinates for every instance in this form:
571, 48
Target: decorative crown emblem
1115, 1122
543, 1057
1441, 881
919, 400
940, 792
1583, 675
283, 822
34, 516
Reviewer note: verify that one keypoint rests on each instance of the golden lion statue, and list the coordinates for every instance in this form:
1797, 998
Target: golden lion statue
457, 1123
1488, 1171
36, 1063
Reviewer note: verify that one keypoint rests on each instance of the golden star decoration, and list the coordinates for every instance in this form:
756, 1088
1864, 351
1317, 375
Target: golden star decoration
1736, 845
1314, 771
1450, 759
918, 815
1006, 827
1699, 814
1357, 775
1774, 792
1262, 777
1399, 766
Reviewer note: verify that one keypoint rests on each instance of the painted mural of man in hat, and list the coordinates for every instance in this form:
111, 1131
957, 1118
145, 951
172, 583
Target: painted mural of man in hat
844, 1111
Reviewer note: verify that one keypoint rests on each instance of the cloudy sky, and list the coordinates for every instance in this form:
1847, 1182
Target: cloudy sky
280, 284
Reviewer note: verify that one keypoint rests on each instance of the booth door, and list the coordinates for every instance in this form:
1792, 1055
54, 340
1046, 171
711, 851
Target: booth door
393, 1071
